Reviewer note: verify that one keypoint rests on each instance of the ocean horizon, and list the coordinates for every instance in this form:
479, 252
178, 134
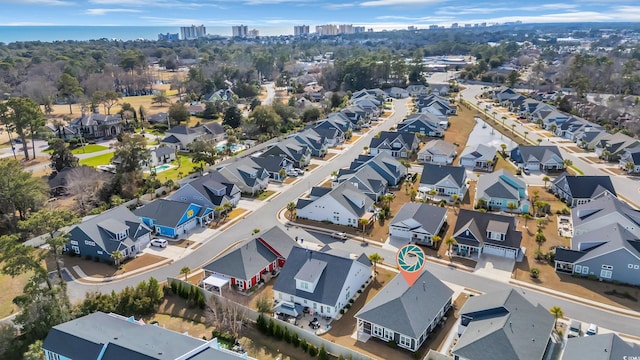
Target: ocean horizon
10, 34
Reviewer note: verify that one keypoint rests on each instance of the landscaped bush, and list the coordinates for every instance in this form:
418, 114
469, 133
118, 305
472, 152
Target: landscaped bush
271, 327
141, 300
341, 311
313, 351
304, 345
261, 324
534, 272
287, 335
322, 354
348, 306
351, 301
223, 336
277, 332
295, 340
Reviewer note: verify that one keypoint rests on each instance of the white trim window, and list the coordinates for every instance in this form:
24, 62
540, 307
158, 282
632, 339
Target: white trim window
607, 267
405, 341
577, 269
378, 331
606, 274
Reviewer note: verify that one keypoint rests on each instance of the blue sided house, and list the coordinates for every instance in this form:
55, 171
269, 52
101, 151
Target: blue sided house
172, 218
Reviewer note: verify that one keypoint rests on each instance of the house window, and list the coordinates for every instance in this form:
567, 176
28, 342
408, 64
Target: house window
607, 267
52, 355
377, 331
405, 341
606, 274
585, 270
578, 269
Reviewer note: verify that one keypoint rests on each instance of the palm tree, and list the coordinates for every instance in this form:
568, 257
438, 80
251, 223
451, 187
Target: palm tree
546, 180
435, 239
450, 243
513, 128
539, 141
432, 193
291, 207
606, 154
557, 313
364, 223
526, 218
512, 206
407, 184
412, 194
117, 257
567, 163
540, 238
185, 271
629, 166
375, 259
504, 149
525, 134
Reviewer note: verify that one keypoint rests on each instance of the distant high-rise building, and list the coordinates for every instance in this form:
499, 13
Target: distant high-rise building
193, 32
433, 27
358, 29
240, 31
253, 33
454, 25
345, 29
301, 30
168, 37
411, 28
329, 29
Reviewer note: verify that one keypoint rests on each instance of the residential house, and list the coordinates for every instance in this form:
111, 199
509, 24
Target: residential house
101, 336
162, 155
440, 89
576, 190
214, 131
545, 158
613, 146
436, 104
61, 182
505, 95
608, 346
277, 166
477, 233
336, 122
313, 140
64, 132
398, 93
322, 281
437, 152
225, 95
345, 204
445, 180
501, 190
602, 211
630, 160
371, 93
209, 191
503, 326
366, 179
255, 260
292, 149
396, 144
479, 157
388, 167
303, 102
405, 314
246, 174
196, 108
425, 124
94, 125
611, 253
316, 96
332, 136
173, 218
99, 236
370, 106
418, 223
356, 115
416, 90
179, 137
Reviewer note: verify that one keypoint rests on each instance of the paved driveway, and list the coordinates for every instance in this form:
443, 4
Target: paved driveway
495, 267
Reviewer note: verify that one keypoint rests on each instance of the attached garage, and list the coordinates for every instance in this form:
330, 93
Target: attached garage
499, 251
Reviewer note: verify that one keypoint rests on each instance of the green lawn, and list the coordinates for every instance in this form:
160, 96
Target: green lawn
186, 167
87, 149
104, 159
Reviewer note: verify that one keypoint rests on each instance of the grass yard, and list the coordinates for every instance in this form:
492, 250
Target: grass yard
104, 159
176, 173
11, 287
88, 149
261, 196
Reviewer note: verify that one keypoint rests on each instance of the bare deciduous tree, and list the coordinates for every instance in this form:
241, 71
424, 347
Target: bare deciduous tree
225, 315
83, 184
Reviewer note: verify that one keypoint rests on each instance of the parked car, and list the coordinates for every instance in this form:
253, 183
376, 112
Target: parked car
159, 243
574, 329
591, 330
292, 173
526, 171
299, 171
339, 235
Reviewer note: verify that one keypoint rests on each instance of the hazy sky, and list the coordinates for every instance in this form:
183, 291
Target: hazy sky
380, 14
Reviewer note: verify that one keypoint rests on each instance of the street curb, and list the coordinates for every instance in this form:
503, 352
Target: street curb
576, 299
89, 279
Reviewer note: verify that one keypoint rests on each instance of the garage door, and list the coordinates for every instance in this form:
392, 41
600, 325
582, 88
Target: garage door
399, 232
510, 253
494, 250
190, 224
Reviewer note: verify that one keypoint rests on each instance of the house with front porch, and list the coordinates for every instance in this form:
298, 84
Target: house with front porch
384, 164
479, 157
611, 253
292, 149
503, 326
437, 152
602, 211
609, 346
209, 191
246, 174
405, 314
344, 204
500, 189
545, 158
630, 160
397, 144
254, 261
366, 179
322, 281
424, 124
95, 125
576, 190
161, 155
173, 218
313, 140
418, 223
117, 229
277, 166
477, 233
179, 137
443, 181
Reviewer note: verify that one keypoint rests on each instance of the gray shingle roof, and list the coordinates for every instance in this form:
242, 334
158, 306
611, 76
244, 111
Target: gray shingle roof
504, 326
408, 140
584, 187
606, 240
480, 152
543, 154
600, 207
600, 347
432, 174
414, 215
404, 309
163, 150
165, 212
329, 284
439, 147
477, 223
499, 184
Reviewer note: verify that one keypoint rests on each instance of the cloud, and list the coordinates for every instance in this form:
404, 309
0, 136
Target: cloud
158, 3
399, 2
27, 23
109, 11
339, 6
42, 2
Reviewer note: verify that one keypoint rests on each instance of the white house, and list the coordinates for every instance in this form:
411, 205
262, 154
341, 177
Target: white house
322, 281
345, 204
418, 223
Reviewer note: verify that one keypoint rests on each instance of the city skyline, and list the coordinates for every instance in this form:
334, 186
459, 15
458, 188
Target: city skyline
376, 14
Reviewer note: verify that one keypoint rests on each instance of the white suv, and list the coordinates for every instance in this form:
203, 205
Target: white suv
159, 243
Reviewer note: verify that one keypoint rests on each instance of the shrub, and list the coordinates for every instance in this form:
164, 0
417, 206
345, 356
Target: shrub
304, 345
271, 327
166, 290
287, 335
359, 291
261, 324
174, 287
277, 332
313, 351
351, 301
534, 272
295, 340
322, 354
341, 311
348, 306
